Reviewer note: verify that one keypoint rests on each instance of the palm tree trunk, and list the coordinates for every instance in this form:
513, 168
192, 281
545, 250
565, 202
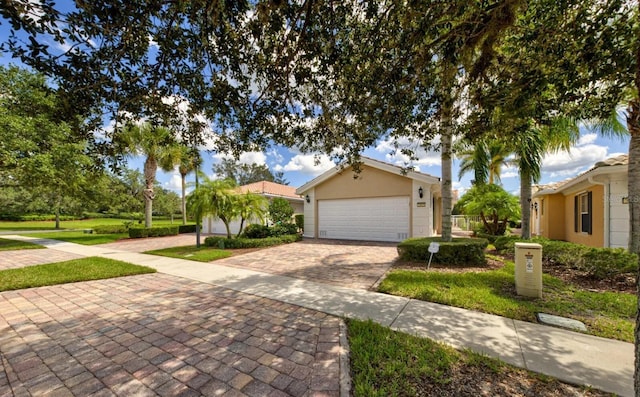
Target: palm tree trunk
150, 167
633, 123
446, 139
525, 203
184, 200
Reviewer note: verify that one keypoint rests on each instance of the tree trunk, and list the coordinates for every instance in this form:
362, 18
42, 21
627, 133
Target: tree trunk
525, 203
446, 139
150, 167
633, 123
184, 200
57, 218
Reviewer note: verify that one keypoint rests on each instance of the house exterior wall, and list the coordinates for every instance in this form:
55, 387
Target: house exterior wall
596, 239
549, 220
310, 215
421, 210
371, 182
618, 212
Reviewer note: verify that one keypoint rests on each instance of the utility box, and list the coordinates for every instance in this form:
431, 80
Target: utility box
529, 269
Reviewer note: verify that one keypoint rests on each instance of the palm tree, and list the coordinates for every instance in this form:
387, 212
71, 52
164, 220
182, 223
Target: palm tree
485, 158
215, 198
250, 205
187, 159
158, 145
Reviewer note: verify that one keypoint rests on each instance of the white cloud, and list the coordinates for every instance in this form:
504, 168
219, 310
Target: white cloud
577, 160
174, 183
587, 139
306, 164
391, 149
245, 158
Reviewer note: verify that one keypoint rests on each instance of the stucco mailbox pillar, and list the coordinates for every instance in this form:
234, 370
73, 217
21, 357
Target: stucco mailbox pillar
529, 269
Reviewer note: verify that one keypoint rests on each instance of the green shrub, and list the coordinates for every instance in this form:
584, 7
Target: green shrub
235, 243
299, 219
602, 263
506, 244
283, 229
599, 263
186, 229
458, 252
255, 230
155, 231
110, 229
32, 218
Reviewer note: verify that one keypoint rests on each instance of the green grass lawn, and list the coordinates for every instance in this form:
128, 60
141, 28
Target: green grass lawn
78, 224
190, 252
6, 245
389, 363
606, 314
91, 268
80, 237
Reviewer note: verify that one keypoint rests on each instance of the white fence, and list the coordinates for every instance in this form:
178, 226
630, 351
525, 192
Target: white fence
464, 221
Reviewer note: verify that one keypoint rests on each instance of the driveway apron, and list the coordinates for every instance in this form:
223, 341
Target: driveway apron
157, 334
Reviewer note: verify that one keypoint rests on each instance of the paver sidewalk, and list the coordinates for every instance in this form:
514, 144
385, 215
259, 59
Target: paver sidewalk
572, 357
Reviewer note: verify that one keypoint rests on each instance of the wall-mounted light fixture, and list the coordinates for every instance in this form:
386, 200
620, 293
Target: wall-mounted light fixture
308, 198
535, 206
625, 200
420, 192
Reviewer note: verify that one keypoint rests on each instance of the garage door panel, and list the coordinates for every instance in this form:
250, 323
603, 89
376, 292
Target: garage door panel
376, 219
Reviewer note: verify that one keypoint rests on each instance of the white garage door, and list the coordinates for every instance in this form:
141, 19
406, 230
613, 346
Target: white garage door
375, 219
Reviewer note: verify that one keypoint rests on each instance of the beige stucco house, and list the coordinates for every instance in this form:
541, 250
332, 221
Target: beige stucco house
590, 209
267, 189
383, 202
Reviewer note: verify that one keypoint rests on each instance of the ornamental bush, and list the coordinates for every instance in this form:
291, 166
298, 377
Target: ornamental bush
598, 263
186, 229
110, 229
256, 230
155, 231
235, 243
458, 252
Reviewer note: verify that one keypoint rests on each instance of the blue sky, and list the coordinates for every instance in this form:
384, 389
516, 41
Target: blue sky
300, 168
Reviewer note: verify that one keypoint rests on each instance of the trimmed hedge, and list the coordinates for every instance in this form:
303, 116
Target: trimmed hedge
186, 229
27, 218
255, 230
155, 231
599, 263
110, 229
458, 252
235, 243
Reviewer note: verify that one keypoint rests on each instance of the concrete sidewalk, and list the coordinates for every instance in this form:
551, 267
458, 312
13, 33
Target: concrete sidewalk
572, 357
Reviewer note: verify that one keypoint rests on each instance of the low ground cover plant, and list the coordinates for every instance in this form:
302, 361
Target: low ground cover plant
598, 263
190, 252
84, 269
80, 237
390, 363
606, 314
9, 245
235, 243
458, 252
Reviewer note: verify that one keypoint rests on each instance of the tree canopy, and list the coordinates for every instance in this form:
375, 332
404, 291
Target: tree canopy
244, 174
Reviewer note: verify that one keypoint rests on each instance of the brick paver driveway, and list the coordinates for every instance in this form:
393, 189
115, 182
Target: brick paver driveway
20, 258
348, 264
353, 264
157, 334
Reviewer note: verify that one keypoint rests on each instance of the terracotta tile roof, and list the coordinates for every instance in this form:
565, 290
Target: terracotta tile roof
270, 188
623, 159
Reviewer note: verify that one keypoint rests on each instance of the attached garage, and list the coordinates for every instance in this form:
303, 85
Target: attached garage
382, 202
374, 219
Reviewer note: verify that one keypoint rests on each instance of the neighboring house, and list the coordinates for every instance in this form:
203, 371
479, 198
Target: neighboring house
267, 189
590, 209
381, 203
